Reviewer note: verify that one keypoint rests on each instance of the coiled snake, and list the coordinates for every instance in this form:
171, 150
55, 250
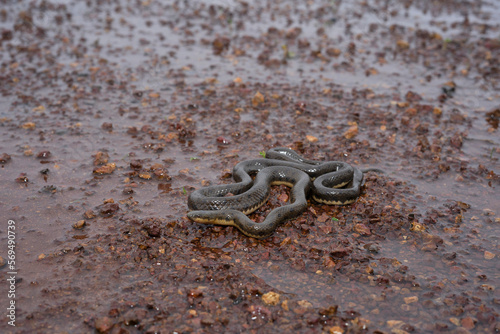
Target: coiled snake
331, 182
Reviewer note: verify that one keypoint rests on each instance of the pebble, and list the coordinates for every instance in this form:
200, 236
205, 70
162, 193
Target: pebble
271, 298
412, 299
106, 169
257, 99
145, 176
468, 323
335, 330
79, 225
311, 139
488, 255
488, 212
4, 158
103, 325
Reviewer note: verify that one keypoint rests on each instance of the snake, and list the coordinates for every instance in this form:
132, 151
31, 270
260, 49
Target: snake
328, 182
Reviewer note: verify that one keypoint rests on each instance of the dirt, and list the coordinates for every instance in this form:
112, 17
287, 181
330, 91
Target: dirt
112, 112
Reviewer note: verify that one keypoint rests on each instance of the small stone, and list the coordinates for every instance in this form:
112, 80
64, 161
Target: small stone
488, 255
4, 158
468, 323
412, 97
333, 52
311, 139
271, 298
220, 44
394, 323
429, 247
22, 178
79, 225
101, 158
136, 164
329, 311
402, 45
283, 197
412, 299
28, 126
417, 227
43, 155
107, 126
323, 218
207, 320
352, 131
257, 99
406, 307
362, 229
335, 330
109, 209
455, 321
161, 174
128, 191
103, 324
488, 212
2, 262
41, 256
39, 108
106, 169
145, 176
89, 214
304, 304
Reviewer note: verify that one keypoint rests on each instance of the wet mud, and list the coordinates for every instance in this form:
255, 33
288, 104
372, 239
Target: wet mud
112, 112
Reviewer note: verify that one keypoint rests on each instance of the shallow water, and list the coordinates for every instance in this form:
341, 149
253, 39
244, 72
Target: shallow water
169, 92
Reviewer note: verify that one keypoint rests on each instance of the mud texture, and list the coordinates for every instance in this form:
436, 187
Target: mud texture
112, 112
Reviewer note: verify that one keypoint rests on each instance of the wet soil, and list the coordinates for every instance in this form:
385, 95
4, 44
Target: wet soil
112, 112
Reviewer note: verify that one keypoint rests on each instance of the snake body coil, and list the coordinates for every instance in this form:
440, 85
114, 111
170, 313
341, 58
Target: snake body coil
229, 204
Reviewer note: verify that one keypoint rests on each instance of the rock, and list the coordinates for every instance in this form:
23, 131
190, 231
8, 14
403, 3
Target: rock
43, 155
468, 323
103, 325
109, 209
4, 158
362, 229
101, 158
271, 298
79, 225
89, 214
106, 169
412, 299
257, 99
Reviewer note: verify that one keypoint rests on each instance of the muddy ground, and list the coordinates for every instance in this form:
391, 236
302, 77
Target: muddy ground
112, 112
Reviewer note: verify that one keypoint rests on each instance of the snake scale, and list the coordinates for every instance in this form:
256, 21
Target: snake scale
330, 182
